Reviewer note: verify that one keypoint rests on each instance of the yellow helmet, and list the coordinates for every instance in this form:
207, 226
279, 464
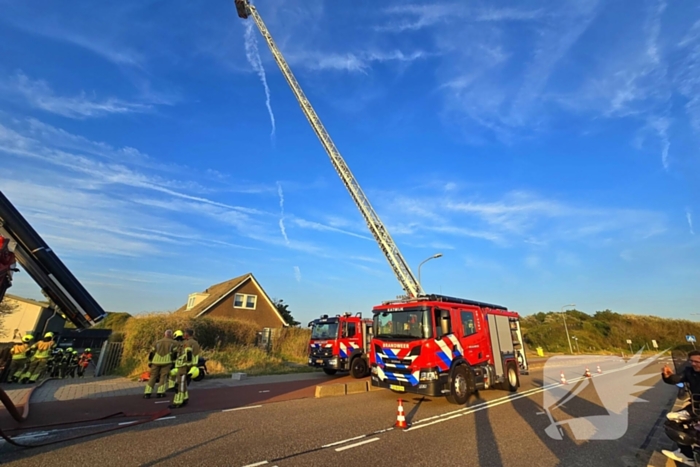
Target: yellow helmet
48, 334
173, 372
178, 333
27, 338
194, 372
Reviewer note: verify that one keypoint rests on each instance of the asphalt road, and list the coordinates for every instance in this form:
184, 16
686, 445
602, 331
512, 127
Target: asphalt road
496, 428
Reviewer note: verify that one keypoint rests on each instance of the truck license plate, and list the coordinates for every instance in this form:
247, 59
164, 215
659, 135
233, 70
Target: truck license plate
396, 387
319, 362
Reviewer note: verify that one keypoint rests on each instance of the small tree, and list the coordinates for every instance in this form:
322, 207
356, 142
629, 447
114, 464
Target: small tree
5, 309
283, 309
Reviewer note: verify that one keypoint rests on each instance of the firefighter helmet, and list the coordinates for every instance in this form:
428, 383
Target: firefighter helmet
173, 372
87, 350
178, 334
69, 349
194, 373
48, 335
27, 338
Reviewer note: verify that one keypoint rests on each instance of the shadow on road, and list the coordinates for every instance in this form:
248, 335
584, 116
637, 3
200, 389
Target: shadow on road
411, 415
486, 441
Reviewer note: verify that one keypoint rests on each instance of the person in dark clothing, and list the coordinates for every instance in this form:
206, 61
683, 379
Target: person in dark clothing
690, 376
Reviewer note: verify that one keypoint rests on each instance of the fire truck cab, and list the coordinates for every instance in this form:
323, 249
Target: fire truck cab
340, 343
445, 346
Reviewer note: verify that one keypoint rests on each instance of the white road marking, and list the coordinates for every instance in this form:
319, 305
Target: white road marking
243, 408
350, 446
256, 464
162, 402
126, 423
343, 441
165, 418
260, 392
485, 405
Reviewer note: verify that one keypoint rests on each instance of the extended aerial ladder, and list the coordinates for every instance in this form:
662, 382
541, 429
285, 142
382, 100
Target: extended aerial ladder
65, 293
401, 269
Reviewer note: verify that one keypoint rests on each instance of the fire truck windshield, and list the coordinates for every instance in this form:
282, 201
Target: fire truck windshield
406, 323
328, 330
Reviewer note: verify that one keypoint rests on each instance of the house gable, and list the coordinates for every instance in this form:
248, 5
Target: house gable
240, 298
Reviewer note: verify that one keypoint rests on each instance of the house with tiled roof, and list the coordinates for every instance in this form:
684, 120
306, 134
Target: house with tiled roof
239, 298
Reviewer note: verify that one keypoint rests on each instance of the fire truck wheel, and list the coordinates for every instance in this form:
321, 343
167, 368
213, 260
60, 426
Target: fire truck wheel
461, 385
330, 371
358, 367
512, 380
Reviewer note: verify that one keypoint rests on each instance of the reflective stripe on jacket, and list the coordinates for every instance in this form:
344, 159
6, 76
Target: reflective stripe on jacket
162, 351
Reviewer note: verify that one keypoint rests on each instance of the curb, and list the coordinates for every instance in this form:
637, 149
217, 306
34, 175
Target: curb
342, 389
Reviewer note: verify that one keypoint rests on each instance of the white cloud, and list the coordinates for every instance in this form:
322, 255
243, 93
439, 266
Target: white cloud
281, 221
253, 56
40, 95
297, 273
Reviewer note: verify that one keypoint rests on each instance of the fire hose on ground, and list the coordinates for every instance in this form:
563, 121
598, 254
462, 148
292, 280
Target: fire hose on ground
22, 417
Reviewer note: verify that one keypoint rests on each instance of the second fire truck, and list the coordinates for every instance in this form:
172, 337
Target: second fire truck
341, 343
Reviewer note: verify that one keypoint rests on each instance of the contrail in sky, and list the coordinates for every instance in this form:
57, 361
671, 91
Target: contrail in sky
689, 216
282, 229
251, 52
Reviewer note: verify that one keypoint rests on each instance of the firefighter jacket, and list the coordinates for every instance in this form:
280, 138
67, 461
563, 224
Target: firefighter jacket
19, 351
196, 350
162, 352
43, 349
184, 355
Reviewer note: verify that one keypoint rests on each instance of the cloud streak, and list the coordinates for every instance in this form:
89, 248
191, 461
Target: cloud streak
280, 193
253, 56
689, 218
40, 96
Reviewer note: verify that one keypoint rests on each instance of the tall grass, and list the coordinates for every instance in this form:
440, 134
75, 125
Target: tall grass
228, 345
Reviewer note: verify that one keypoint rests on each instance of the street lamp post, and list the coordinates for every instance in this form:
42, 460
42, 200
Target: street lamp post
420, 284
566, 328
578, 350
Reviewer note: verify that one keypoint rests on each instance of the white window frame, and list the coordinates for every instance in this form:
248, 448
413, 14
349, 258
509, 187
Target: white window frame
244, 301
190, 303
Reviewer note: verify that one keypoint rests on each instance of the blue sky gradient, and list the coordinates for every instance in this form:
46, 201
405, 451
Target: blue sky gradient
548, 149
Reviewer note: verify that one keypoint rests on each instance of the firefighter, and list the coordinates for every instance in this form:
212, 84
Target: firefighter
192, 369
160, 361
72, 363
38, 363
182, 365
84, 361
19, 358
64, 363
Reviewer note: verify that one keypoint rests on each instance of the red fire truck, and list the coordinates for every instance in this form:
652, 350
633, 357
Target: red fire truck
445, 346
340, 343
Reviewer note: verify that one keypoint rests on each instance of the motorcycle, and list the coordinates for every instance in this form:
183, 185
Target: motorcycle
685, 430
201, 371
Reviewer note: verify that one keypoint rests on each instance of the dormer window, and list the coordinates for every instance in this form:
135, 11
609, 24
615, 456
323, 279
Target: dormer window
195, 299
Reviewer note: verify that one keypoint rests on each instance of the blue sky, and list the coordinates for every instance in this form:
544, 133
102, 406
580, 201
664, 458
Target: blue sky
548, 149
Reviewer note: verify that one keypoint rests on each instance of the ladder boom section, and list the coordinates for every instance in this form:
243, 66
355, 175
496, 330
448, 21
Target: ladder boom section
380, 233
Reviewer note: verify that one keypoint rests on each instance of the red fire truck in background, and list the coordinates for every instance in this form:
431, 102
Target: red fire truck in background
340, 343
445, 346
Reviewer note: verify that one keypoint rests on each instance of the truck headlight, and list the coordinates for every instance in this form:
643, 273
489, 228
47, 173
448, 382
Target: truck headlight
428, 375
374, 370
310, 360
334, 361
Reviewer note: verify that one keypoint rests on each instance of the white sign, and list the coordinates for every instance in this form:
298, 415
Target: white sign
629, 341
653, 342
690, 338
615, 394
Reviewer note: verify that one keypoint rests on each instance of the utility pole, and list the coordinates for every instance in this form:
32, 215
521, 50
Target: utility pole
571, 350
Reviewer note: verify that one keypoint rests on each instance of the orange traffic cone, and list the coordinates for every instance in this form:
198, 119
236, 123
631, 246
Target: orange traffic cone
563, 379
400, 417
599, 370
587, 374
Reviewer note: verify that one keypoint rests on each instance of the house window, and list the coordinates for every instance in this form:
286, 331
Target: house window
245, 301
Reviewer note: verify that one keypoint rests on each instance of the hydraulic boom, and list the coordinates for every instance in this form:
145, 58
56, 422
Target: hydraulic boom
386, 243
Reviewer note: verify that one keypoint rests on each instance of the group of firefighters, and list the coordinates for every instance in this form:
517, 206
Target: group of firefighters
171, 360
32, 359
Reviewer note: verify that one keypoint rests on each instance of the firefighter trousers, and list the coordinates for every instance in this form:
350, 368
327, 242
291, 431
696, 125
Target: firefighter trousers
16, 368
158, 373
181, 396
35, 369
